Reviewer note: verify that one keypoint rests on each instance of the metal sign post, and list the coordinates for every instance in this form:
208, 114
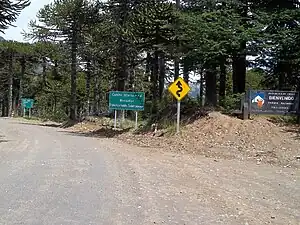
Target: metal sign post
179, 89
178, 118
115, 121
136, 120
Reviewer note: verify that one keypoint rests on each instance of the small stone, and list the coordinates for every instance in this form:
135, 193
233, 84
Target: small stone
272, 217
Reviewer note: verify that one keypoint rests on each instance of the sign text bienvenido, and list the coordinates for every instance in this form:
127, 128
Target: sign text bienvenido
274, 102
123, 100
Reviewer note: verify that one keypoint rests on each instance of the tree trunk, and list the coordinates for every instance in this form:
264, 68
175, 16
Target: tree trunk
211, 86
239, 63
15, 103
201, 93
131, 78
235, 74
298, 110
73, 98
54, 104
176, 68
148, 64
162, 75
122, 67
124, 9
95, 93
242, 66
5, 110
3, 106
239, 73
44, 73
186, 71
154, 80
154, 77
281, 80
10, 85
23, 68
131, 86
88, 88
176, 60
98, 88
222, 90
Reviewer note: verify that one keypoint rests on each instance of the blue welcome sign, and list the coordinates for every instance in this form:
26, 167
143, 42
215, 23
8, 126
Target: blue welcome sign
274, 102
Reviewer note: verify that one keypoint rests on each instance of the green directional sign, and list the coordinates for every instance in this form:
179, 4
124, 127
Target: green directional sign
123, 100
27, 103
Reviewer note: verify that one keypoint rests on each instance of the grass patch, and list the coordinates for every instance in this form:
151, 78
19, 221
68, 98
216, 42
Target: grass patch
31, 119
284, 119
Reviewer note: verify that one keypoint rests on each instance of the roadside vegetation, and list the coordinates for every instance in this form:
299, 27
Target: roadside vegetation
80, 50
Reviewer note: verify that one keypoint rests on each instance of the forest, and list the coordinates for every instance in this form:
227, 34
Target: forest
79, 50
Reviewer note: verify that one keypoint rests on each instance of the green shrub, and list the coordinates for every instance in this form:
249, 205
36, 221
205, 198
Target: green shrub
232, 102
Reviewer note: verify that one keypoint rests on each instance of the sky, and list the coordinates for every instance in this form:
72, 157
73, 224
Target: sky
29, 13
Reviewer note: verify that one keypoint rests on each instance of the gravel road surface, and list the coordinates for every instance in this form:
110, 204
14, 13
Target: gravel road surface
52, 177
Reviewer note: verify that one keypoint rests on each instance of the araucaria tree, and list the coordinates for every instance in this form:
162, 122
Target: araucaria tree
9, 12
67, 20
86, 48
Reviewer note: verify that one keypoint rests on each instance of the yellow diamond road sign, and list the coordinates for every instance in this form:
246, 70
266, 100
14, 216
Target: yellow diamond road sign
179, 88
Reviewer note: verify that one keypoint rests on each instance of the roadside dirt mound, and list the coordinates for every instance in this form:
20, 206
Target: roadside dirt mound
221, 136
216, 135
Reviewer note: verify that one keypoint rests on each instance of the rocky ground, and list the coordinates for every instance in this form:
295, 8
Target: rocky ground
218, 136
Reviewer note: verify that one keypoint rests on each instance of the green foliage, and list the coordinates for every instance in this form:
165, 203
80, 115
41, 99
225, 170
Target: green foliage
83, 49
50, 108
9, 12
255, 79
284, 119
154, 25
232, 102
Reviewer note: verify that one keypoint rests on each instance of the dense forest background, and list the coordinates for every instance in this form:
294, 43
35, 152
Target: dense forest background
79, 50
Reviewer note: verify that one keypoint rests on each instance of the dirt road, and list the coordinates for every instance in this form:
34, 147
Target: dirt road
49, 176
